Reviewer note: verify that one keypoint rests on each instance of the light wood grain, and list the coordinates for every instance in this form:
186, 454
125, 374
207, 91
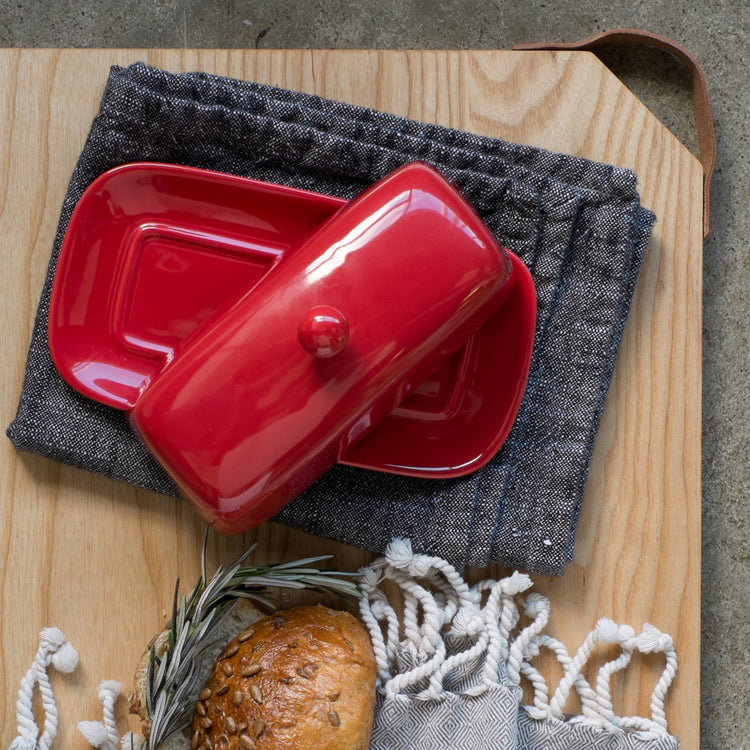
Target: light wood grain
99, 559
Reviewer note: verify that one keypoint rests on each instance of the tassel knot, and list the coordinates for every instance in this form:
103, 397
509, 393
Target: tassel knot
399, 553
65, 659
652, 640
467, 623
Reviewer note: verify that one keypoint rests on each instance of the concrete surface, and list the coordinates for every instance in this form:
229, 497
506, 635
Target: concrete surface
715, 31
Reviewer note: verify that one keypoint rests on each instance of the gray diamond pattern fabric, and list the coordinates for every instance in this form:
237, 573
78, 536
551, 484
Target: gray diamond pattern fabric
578, 225
557, 734
486, 722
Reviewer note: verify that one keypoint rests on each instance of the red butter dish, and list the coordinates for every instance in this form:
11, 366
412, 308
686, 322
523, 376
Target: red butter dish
259, 334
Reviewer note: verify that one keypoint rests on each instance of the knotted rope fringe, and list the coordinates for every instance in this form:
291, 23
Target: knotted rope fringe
449, 629
449, 637
53, 649
103, 734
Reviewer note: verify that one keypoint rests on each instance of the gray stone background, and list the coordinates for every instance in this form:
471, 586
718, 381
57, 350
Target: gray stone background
715, 31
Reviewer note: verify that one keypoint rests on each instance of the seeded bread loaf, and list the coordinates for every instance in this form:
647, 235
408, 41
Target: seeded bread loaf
302, 678
243, 614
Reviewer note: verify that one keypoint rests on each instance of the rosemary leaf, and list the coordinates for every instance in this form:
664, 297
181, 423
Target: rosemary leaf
304, 561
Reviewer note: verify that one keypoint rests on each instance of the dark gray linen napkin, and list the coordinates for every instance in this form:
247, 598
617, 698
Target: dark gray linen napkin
578, 225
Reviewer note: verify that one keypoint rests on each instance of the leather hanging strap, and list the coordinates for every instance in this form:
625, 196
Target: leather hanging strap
703, 118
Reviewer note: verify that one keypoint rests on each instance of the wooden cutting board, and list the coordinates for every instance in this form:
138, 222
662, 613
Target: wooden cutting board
99, 558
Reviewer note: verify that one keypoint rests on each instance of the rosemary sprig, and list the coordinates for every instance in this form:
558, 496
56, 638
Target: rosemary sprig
172, 677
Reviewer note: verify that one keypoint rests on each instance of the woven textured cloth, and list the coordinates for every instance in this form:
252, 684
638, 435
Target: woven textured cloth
451, 659
486, 722
578, 225
557, 734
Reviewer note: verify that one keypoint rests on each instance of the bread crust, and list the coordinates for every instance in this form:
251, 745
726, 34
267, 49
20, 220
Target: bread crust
301, 678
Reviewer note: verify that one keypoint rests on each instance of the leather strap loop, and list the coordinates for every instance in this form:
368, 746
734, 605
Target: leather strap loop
702, 106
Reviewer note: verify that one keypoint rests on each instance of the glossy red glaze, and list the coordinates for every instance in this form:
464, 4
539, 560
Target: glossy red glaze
459, 417
244, 419
152, 252
247, 385
323, 331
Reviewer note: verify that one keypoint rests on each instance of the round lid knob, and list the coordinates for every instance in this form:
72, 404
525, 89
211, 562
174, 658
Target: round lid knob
323, 331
